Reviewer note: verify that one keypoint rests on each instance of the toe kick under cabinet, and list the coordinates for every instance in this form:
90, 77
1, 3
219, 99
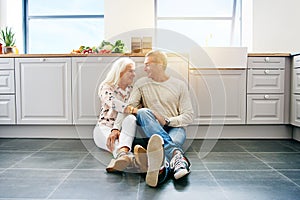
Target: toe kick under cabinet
266, 88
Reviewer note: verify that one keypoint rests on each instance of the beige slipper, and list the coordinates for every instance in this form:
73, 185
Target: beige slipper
140, 155
155, 154
119, 164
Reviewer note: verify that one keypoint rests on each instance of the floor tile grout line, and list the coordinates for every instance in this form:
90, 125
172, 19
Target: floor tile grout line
273, 169
215, 180
67, 175
28, 156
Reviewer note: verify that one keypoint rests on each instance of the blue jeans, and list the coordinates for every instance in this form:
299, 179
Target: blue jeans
173, 137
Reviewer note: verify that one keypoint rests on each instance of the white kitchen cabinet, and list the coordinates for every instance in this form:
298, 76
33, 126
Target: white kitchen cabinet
7, 109
295, 110
296, 80
43, 90
295, 92
265, 81
7, 91
265, 109
266, 87
87, 74
218, 96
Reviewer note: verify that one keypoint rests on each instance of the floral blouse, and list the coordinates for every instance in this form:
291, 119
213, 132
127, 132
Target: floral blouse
113, 100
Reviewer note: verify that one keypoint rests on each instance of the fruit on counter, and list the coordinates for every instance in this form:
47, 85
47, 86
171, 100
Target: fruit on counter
104, 48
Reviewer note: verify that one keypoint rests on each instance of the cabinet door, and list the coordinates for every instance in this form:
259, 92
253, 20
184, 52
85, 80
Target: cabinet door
7, 83
43, 90
265, 81
296, 61
219, 96
7, 109
295, 110
87, 74
296, 81
265, 109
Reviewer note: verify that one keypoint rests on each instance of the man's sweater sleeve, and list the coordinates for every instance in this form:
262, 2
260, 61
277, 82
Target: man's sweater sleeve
186, 112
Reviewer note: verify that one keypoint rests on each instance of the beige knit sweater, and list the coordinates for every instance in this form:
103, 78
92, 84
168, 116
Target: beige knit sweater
170, 98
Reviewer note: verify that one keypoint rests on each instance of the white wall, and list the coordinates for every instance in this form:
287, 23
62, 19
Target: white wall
123, 16
11, 16
276, 25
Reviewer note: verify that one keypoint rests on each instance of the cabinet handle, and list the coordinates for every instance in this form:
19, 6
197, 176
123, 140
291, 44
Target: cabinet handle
267, 59
267, 96
43, 59
267, 71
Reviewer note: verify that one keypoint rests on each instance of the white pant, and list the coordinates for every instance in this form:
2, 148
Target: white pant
101, 133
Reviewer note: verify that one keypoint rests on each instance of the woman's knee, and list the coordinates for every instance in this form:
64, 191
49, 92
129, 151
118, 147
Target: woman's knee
129, 119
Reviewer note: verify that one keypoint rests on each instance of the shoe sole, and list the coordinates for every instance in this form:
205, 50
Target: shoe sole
116, 165
155, 154
140, 155
182, 173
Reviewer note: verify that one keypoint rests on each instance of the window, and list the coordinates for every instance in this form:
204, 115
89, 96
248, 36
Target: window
208, 23
55, 26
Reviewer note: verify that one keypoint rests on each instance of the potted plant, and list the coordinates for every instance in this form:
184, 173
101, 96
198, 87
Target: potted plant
8, 39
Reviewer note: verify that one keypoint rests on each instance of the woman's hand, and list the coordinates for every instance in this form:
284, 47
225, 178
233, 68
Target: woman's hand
113, 136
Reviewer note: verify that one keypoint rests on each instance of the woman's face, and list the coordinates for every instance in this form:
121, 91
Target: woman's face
128, 74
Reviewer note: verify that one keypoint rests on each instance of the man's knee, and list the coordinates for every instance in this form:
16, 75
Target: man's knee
143, 112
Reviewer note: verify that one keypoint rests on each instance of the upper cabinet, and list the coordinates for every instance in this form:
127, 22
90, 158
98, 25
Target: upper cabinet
43, 90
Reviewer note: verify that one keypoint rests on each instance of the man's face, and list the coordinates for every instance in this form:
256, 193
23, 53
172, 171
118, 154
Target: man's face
152, 68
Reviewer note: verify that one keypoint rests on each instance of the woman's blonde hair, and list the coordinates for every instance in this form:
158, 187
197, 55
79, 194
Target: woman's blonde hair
114, 75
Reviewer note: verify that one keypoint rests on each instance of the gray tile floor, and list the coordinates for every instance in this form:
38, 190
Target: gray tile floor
221, 169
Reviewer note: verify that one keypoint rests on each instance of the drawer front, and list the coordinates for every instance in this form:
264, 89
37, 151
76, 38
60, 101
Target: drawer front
295, 110
296, 81
7, 109
265, 109
296, 62
6, 63
265, 81
266, 62
7, 84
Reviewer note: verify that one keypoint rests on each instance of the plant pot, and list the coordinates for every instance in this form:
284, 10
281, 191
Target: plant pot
7, 50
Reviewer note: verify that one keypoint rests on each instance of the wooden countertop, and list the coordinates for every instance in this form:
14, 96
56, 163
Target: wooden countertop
119, 55
269, 54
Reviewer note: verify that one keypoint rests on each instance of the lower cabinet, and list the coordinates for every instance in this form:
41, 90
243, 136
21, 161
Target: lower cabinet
295, 110
265, 109
7, 109
87, 74
43, 90
218, 96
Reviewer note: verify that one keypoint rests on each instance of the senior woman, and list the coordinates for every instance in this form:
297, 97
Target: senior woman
114, 92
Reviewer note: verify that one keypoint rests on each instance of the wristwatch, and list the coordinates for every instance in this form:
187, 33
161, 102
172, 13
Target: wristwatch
167, 122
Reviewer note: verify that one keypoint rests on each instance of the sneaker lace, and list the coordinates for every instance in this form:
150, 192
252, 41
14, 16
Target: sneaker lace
177, 162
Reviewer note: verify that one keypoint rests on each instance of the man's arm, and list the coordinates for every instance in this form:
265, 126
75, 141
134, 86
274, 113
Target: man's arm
185, 109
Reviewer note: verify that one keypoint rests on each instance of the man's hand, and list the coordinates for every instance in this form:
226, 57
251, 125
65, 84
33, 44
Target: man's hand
159, 118
113, 136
